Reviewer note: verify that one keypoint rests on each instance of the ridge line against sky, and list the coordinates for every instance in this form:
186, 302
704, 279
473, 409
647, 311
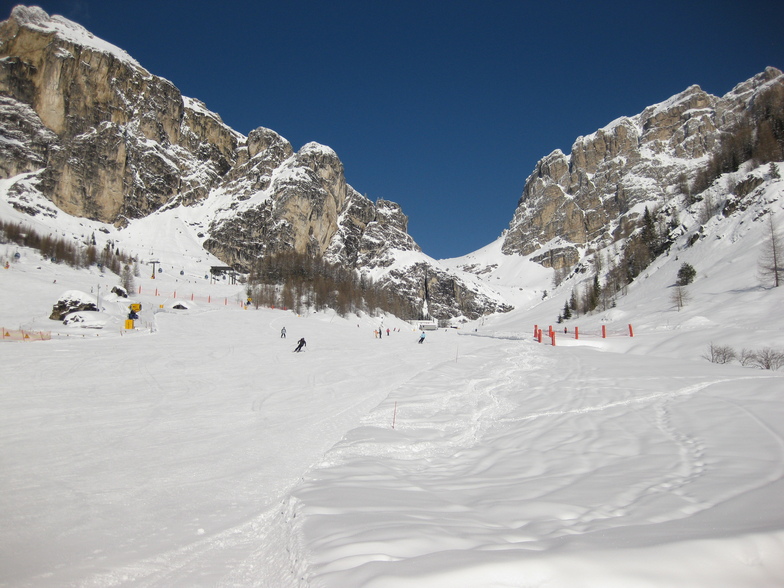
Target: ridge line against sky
444, 108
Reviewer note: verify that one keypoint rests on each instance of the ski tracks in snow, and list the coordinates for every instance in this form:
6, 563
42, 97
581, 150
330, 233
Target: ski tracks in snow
521, 449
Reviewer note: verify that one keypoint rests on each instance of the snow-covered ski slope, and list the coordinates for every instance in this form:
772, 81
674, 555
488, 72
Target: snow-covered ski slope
198, 450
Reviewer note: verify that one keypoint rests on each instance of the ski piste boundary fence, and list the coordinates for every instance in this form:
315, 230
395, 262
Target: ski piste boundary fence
24, 335
539, 334
209, 299
237, 300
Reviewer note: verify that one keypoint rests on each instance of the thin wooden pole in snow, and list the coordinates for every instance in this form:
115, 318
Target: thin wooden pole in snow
394, 415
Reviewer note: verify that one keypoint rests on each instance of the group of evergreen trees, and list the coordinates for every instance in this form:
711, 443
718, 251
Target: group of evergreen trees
641, 249
301, 281
758, 137
289, 279
69, 252
647, 241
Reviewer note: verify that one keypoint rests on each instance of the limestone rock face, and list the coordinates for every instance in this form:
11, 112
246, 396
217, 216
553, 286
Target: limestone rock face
118, 141
447, 295
385, 235
27, 141
572, 200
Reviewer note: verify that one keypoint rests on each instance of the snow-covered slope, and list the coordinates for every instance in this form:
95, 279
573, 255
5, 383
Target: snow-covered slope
198, 450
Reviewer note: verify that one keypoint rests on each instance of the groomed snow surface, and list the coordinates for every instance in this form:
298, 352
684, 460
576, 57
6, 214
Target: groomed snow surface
198, 450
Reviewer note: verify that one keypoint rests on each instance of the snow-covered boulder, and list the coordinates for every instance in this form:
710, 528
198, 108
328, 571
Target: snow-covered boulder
85, 320
73, 301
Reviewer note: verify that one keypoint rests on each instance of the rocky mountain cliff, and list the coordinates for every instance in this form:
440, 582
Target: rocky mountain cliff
100, 137
596, 195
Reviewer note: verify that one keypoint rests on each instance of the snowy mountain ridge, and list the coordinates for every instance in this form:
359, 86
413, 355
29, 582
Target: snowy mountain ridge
112, 143
125, 149
36, 18
593, 197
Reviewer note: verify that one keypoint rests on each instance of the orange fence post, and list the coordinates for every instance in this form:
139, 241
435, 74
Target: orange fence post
540, 335
577, 332
631, 331
536, 330
552, 335
604, 331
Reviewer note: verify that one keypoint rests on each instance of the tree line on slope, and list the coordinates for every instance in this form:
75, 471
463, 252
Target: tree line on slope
758, 137
302, 281
75, 254
649, 241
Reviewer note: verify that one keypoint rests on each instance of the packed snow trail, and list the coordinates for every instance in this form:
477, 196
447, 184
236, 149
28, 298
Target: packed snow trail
165, 459
505, 459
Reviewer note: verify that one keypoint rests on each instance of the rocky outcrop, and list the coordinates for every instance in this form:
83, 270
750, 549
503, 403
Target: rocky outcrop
302, 202
447, 295
73, 301
26, 141
114, 141
570, 201
384, 237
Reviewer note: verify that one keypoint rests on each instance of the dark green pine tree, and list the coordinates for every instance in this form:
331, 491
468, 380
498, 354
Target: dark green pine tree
594, 293
567, 311
686, 275
649, 234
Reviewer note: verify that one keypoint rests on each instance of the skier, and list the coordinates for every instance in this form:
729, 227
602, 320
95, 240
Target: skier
422, 337
300, 344
283, 333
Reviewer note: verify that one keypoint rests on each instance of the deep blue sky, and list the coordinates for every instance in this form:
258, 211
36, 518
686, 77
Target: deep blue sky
443, 106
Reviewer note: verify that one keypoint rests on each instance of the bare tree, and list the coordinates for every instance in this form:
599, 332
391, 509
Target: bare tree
768, 358
747, 357
679, 297
720, 354
771, 261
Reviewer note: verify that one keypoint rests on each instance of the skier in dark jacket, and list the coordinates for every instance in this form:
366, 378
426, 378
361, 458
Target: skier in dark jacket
300, 344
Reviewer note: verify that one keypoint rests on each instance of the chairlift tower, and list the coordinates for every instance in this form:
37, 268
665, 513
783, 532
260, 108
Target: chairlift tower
153, 268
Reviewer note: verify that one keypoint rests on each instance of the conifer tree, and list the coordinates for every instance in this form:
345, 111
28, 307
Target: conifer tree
126, 278
686, 275
567, 312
